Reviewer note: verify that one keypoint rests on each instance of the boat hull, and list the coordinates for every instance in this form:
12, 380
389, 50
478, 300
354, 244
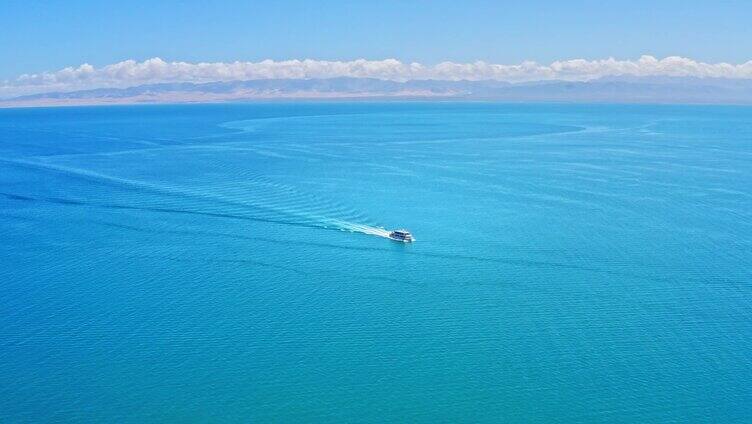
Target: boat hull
403, 240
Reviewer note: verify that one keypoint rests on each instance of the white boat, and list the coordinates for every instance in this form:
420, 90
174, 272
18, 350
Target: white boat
401, 235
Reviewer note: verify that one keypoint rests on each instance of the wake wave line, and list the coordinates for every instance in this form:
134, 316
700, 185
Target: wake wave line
257, 199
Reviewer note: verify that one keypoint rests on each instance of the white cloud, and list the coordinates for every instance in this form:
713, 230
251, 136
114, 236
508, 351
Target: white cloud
130, 72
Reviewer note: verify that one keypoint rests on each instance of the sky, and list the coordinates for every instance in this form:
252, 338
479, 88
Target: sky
38, 36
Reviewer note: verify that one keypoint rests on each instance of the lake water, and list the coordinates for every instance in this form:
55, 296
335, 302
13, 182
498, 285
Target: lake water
573, 263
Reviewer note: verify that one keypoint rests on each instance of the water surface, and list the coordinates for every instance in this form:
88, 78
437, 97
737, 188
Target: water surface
574, 263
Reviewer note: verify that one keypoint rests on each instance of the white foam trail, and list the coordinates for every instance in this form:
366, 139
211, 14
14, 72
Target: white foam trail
365, 229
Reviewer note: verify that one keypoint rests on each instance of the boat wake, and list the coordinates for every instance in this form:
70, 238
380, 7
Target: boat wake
365, 229
254, 197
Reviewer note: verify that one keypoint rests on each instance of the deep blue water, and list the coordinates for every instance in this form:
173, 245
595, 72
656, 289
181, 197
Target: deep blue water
573, 263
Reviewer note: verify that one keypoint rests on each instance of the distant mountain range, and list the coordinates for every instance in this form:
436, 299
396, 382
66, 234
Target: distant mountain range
611, 89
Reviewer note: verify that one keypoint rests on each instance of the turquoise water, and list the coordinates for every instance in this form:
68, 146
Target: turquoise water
573, 263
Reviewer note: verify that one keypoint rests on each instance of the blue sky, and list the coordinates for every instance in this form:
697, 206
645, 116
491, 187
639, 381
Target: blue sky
38, 36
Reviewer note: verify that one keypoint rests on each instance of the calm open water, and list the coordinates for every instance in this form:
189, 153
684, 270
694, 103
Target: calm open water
573, 263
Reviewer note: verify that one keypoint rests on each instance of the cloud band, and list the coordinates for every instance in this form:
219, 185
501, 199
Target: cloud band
156, 70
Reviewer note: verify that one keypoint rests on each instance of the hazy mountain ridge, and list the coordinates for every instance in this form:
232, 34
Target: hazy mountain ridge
607, 89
